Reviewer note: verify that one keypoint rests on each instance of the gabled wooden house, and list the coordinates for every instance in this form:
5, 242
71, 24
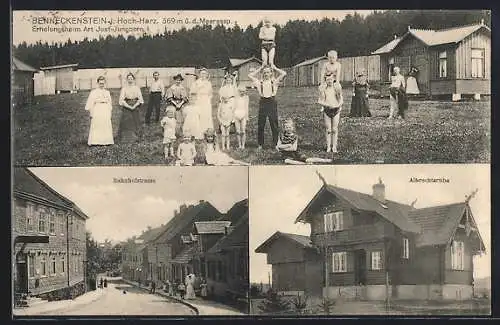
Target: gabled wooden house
374, 248
243, 67
22, 82
296, 264
450, 61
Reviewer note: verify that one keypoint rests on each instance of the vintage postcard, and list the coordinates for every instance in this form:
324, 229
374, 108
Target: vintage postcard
130, 241
198, 87
370, 240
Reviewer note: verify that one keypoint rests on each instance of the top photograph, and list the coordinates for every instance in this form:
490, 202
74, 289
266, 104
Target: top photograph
190, 88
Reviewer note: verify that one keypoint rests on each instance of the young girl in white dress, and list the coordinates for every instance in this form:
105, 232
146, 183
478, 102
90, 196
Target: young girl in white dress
203, 88
225, 112
331, 100
169, 124
241, 116
191, 116
186, 151
99, 106
213, 155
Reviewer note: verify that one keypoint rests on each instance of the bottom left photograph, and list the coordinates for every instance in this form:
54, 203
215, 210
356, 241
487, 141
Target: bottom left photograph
136, 241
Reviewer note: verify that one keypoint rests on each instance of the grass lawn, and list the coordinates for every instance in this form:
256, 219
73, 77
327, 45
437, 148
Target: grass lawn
53, 132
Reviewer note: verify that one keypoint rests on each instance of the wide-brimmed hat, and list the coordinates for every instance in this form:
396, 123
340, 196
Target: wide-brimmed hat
178, 77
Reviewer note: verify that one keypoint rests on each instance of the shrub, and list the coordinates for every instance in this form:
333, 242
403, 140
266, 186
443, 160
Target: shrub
326, 306
255, 291
299, 303
274, 303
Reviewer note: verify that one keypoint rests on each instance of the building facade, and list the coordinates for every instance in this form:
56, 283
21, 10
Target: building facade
451, 61
374, 248
22, 82
54, 267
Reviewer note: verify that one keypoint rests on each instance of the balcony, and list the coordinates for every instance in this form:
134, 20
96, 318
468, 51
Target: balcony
351, 235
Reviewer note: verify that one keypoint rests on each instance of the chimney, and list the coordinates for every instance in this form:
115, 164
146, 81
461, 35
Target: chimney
202, 201
482, 21
176, 213
409, 27
379, 191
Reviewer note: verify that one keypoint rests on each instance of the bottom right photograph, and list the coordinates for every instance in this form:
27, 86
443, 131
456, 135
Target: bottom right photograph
370, 240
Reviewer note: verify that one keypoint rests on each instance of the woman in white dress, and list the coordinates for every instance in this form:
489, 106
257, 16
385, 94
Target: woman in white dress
99, 107
203, 88
190, 286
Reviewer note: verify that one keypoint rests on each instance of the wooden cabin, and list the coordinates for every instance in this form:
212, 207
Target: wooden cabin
378, 248
244, 67
64, 76
296, 264
307, 73
452, 61
55, 267
22, 83
373, 248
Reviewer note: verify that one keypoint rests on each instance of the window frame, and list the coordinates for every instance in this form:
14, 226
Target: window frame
53, 265
30, 217
481, 72
339, 262
42, 219
43, 265
31, 260
443, 63
406, 248
52, 222
62, 261
373, 266
334, 218
457, 255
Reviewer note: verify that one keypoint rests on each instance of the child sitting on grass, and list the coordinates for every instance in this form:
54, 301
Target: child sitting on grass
213, 155
288, 147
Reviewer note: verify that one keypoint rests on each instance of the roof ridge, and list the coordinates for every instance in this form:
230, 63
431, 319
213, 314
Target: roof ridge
460, 26
439, 206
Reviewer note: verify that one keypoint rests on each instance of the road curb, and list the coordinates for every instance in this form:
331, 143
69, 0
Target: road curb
197, 312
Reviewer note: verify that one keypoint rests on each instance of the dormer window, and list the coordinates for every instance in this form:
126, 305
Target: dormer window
334, 221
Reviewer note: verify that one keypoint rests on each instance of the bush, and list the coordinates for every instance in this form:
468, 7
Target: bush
326, 306
255, 291
274, 303
299, 303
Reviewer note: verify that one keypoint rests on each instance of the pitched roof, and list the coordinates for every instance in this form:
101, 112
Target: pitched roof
432, 37
28, 184
184, 219
445, 36
310, 61
304, 241
72, 65
18, 65
237, 211
388, 47
394, 212
237, 62
185, 256
236, 238
211, 227
437, 223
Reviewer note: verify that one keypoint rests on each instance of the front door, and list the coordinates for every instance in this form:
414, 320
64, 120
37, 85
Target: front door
360, 267
22, 273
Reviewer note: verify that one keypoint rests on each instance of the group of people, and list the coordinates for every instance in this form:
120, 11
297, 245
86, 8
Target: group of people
103, 283
184, 289
188, 115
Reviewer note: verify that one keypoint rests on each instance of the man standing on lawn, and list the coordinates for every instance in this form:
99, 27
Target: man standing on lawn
156, 94
267, 87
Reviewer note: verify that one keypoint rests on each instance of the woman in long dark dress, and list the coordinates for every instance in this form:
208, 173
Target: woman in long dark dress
130, 102
359, 104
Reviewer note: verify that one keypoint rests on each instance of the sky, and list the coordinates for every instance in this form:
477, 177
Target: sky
22, 21
279, 194
121, 210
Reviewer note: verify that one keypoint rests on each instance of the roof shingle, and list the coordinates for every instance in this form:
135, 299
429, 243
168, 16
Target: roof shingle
211, 227
304, 241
